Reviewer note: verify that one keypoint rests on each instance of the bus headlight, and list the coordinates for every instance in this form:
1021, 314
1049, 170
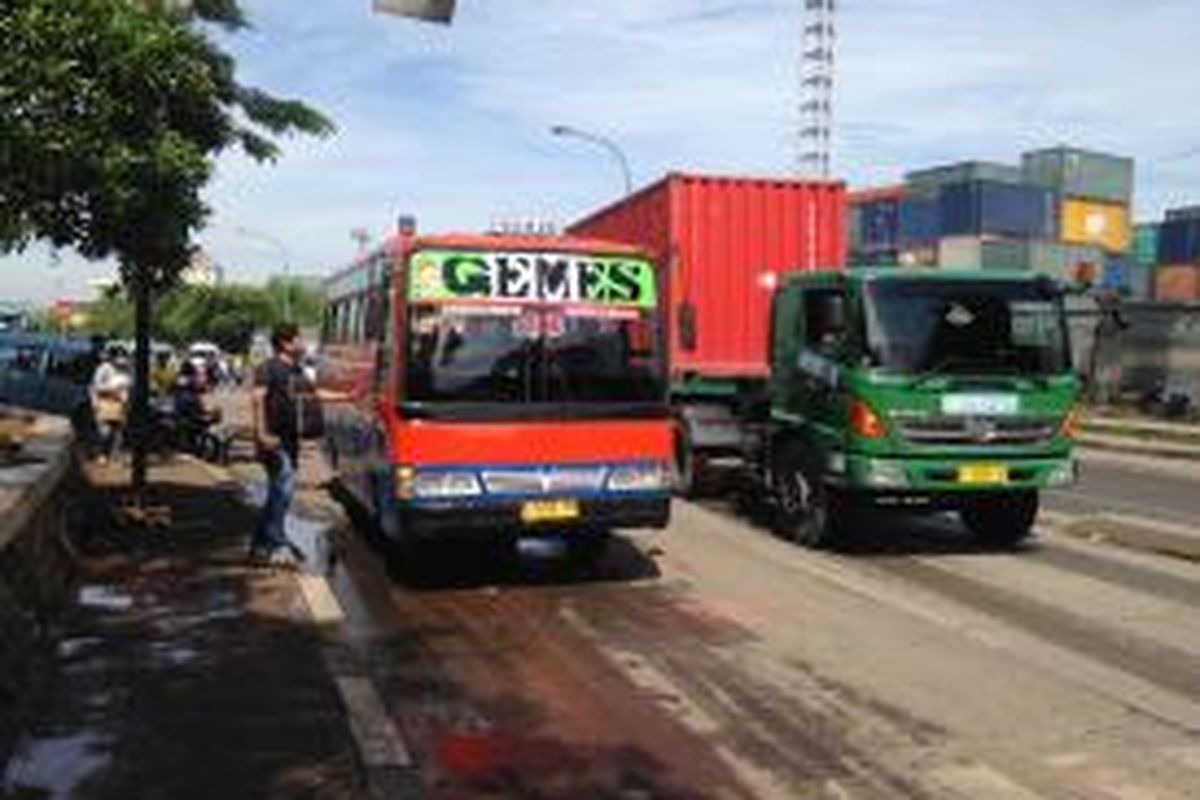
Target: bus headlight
642, 478
436, 485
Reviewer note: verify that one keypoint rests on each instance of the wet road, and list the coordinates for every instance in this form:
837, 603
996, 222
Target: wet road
715, 661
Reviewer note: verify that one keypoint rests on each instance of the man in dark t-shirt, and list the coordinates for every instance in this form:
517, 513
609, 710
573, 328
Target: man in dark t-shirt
277, 436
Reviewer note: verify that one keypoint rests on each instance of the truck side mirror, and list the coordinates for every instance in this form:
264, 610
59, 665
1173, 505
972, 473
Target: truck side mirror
687, 326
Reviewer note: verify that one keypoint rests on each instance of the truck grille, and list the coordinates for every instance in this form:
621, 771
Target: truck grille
544, 481
944, 430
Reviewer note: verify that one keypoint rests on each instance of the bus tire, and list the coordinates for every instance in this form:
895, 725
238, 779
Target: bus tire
807, 511
687, 464
1002, 520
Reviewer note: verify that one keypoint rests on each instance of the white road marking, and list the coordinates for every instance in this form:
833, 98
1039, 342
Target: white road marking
323, 605
1188, 756
379, 743
1129, 611
905, 596
1068, 760
981, 782
765, 784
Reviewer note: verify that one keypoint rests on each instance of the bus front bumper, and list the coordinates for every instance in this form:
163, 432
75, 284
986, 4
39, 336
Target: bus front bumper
461, 519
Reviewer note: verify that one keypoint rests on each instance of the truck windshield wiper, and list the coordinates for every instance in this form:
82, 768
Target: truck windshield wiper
1005, 361
938, 370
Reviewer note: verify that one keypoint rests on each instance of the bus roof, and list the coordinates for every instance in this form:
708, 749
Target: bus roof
557, 244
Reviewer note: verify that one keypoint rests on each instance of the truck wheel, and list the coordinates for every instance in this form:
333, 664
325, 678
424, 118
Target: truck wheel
806, 511
1002, 520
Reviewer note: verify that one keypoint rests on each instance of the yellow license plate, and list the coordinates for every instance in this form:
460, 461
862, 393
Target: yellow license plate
549, 511
977, 474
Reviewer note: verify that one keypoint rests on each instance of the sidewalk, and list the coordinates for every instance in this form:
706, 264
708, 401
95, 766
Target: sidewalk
180, 672
1142, 436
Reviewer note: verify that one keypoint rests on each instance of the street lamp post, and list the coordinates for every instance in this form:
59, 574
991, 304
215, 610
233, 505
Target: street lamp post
607, 144
287, 264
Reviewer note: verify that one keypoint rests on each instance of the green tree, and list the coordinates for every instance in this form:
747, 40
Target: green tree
303, 298
114, 112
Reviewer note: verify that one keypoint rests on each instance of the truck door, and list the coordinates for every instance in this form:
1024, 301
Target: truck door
818, 393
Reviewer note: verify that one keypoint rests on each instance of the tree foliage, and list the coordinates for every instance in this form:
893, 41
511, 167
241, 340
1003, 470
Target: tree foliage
226, 315
114, 112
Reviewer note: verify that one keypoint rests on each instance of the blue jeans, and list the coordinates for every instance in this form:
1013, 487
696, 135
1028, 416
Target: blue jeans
270, 534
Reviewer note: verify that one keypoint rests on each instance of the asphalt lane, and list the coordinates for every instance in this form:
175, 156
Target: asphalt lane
1155, 489
716, 661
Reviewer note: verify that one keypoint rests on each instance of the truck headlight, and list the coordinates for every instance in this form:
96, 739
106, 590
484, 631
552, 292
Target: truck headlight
436, 485
642, 478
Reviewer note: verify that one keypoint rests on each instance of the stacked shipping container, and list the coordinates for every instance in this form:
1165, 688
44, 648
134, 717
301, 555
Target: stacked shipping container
1177, 278
874, 226
1095, 192
1063, 212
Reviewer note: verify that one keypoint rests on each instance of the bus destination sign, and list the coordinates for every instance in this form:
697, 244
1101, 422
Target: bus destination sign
447, 276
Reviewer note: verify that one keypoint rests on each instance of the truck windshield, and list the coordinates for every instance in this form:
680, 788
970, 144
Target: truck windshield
979, 327
533, 354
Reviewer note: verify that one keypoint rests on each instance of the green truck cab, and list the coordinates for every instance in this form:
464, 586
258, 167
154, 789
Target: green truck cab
916, 391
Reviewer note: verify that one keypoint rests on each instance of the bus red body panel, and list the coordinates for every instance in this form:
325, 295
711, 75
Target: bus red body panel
530, 443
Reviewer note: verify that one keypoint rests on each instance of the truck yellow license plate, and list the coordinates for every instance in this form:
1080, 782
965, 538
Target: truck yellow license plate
979, 474
549, 511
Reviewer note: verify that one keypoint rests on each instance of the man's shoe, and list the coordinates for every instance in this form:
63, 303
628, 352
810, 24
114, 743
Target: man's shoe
282, 558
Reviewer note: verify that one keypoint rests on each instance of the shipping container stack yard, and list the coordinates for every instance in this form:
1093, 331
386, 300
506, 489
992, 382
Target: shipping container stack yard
1063, 212
1177, 274
874, 226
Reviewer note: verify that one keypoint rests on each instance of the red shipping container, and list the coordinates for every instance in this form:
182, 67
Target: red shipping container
725, 242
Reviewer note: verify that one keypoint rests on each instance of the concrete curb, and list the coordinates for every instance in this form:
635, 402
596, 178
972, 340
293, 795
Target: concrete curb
1130, 532
385, 759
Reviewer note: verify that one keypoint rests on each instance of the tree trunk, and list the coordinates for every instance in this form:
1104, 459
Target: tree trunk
141, 385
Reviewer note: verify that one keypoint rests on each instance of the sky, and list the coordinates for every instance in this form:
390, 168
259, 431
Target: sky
451, 124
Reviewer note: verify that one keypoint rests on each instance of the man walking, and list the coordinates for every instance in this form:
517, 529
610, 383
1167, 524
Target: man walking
277, 384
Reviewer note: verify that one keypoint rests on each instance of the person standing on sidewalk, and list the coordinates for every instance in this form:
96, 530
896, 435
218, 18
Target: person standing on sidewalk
109, 391
276, 419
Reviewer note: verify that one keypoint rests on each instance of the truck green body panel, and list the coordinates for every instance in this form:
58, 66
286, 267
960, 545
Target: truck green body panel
812, 394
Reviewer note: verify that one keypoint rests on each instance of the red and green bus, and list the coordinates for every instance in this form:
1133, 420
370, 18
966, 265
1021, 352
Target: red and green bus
499, 386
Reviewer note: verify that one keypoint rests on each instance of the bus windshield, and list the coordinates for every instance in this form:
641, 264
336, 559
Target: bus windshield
532, 355
533, 329
979, 327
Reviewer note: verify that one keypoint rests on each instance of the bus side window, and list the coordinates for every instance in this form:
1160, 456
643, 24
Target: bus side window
358, 334
327, 322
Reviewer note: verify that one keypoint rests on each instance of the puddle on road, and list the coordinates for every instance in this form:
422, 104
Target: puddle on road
53, 768
104, 597
312, 537
174, 655
542, 549
70, 648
